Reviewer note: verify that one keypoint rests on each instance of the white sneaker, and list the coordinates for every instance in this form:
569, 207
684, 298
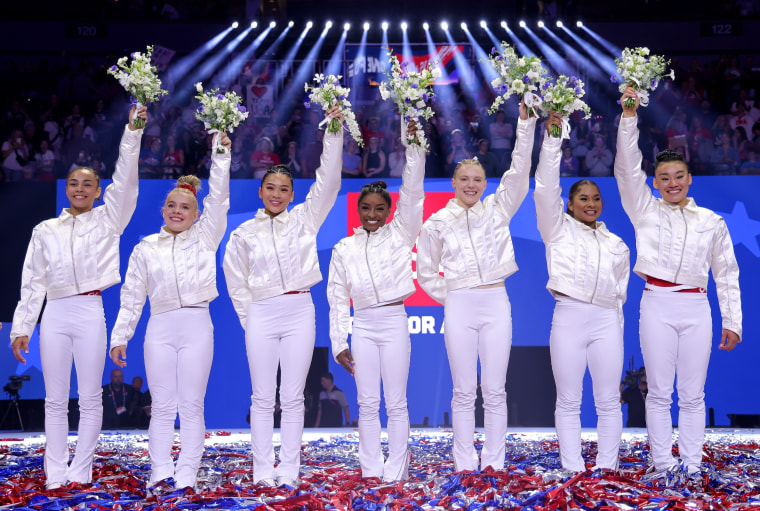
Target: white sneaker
53, 486
286, 481
268, 482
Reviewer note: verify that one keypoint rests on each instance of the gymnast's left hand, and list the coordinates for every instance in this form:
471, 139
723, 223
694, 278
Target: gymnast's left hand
335, 113
728, 340
345, 359
119, 355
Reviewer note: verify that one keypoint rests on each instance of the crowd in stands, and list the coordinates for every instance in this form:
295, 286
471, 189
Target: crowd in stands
58, 117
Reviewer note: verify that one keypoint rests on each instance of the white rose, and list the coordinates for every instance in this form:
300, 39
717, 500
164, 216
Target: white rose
496, 83
436, 72
645, 51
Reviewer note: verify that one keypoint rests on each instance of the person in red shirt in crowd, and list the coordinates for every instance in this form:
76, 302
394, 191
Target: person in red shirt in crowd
263, 158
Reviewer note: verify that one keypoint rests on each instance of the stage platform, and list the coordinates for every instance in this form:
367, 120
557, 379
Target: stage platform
331, 479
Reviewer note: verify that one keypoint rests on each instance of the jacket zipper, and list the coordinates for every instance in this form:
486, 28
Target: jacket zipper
176, 279
369, 267
274, 244
598, 265
73, 262
474, 253
685, 238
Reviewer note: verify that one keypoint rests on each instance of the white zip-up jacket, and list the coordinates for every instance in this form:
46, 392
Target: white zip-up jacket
69, 255
266, 256
590, 265
176, 271
374, 268
673, 244
474, 245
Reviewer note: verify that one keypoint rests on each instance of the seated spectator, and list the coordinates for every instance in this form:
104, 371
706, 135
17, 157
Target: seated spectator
741, 118
396, 158
117, 398
373, 160
45, 159
502, 133
150, 160
352, 161
487, 159
725, 158
263, 158
332, 405
752, 165
15, 156
291, 158
740, 142
240, 160
599, 159
458, 151
140, 405
568, 165
310, 156
173, 162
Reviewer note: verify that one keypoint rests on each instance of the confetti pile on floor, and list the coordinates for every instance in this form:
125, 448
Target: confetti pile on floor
730, 478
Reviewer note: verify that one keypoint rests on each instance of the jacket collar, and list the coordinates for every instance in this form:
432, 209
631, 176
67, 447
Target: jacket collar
455, 209
66, 216
691, 205
360, 231
601, 228
283, 217
164, 234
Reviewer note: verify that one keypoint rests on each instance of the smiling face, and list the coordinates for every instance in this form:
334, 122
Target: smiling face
469, 183
672, 179
277, 192
585, 204
373, 211
179, 211
82, 188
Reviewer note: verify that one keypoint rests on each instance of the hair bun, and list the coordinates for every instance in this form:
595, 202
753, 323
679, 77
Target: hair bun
193, 181
382, 185
668, 155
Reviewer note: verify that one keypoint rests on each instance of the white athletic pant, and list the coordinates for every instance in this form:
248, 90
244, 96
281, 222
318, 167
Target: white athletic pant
381, 349
584, 334
179, 347
72, 329
478, 323
676, 338
279, 331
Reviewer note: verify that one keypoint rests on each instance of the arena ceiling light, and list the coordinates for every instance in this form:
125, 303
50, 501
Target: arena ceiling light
444, 26
347, 27
309, 24
404, 26
579, 23
272, 24
540, 24
425, 26
504, 25
254, 24
366, 26
559, 24
384, 25
235, 24
522, 24
291, 23
483, 24
328, 25
463, 25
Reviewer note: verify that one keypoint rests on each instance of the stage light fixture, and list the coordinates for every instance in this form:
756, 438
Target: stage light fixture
579, 23
366, 26
291, 23
463, 25
254, 24
425, 26
540, 24
385, 25
522, 24
559, 24
504, 25
404, 25
347, 26
483, 24
328, 24
235, 24
309, 24
272, 24
444, 26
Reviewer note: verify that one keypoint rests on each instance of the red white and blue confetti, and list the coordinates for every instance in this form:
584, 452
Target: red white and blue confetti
331, 479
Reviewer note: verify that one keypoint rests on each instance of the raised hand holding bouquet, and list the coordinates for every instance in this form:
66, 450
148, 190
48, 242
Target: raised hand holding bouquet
641, 71
220, 113
412, 91
329, 92
563, 96
517, 75
139, 79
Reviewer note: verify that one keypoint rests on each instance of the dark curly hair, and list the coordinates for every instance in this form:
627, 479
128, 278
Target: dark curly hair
378, 187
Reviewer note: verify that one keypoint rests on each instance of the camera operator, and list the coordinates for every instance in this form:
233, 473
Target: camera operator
634, 393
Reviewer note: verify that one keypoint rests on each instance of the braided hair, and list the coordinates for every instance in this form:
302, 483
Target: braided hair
668, 155
378, 187
278, 169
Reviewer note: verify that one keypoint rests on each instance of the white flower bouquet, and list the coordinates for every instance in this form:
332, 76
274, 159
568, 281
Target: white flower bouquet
641, 71
328, 92
563, 95
139, 79
516, 75
219, 112
412, 91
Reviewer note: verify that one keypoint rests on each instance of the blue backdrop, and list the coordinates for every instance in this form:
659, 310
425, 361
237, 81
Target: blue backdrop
730, 383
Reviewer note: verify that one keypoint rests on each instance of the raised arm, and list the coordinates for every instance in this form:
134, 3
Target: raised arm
635, 194
340, 304
548, 194
236, 265
725, 271
515, 182
324, 191
411, 194
428, 265
133, 294
213, 221
33, 289
120, 197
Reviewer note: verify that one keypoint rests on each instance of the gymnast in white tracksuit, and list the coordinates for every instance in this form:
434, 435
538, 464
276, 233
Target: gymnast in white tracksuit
588, 275
678, 244
70, 260
374, 269
176, 269
269, 264
470, 239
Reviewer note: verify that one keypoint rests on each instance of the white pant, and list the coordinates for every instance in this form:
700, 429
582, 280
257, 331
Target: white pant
587, 334
381, 348
73, 328
279, 331
478, 323
676, 338
179, 347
